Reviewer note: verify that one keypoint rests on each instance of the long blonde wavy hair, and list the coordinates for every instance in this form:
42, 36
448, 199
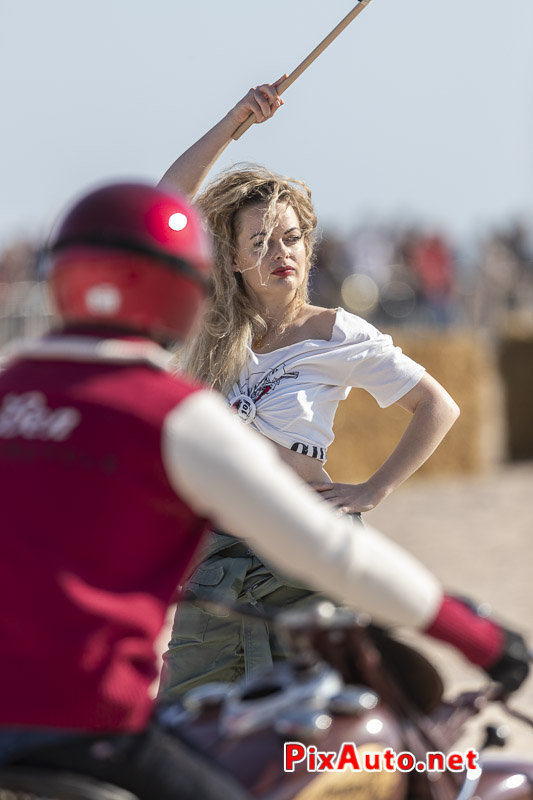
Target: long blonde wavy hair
231, 323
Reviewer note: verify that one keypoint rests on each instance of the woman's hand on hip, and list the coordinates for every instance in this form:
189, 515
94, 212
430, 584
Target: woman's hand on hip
348, 497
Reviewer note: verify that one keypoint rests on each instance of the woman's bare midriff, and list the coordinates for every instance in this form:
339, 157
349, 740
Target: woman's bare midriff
309, 469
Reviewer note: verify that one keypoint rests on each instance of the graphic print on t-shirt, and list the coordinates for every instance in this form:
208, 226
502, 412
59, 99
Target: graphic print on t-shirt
244, 404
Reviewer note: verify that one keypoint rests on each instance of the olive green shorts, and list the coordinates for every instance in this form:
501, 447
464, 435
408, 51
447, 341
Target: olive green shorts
215, 645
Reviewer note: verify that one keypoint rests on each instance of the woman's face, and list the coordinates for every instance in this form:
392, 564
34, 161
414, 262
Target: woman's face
283, 269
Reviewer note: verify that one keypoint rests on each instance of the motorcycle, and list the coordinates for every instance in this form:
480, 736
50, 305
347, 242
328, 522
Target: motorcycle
349, 696
353, 713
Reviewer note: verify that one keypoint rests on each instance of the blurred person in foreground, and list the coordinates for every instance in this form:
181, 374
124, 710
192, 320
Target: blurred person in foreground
111, 467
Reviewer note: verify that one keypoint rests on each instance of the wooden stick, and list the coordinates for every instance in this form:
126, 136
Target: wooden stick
243, 127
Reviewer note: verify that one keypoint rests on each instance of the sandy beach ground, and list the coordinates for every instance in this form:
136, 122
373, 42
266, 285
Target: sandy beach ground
476, 534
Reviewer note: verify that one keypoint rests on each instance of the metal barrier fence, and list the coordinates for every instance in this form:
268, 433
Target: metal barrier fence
24, 310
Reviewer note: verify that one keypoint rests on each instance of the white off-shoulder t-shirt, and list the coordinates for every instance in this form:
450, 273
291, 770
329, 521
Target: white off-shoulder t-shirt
291, 394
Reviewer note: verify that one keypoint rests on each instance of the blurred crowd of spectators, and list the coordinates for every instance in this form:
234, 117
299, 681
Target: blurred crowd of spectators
417, 276
389, 275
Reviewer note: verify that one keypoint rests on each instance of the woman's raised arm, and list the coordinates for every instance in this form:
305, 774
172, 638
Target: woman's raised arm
189, 170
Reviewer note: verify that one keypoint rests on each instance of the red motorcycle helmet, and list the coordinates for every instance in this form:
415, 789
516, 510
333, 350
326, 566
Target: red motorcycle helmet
130, 255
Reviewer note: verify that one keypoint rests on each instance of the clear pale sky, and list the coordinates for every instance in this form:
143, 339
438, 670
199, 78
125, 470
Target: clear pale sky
420, 110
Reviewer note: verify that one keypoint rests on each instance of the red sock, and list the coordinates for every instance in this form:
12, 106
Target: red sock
478, 638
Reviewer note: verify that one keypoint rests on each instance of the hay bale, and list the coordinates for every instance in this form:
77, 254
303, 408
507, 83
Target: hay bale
465, 365
516, 366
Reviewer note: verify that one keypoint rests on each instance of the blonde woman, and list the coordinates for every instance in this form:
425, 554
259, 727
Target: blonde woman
284, 365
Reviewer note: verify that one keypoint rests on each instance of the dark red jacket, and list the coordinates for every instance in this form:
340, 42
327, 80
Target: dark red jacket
94, 539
